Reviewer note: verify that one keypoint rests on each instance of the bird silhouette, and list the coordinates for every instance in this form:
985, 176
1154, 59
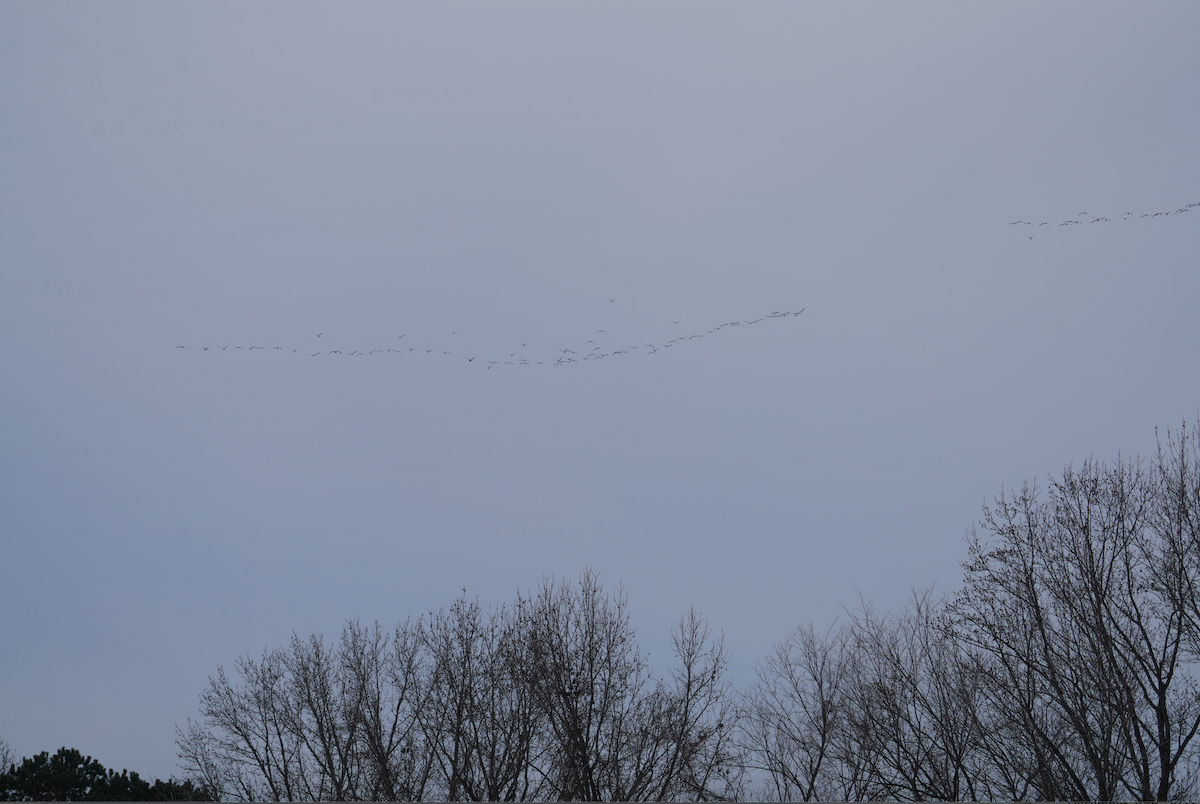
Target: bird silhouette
1125, 216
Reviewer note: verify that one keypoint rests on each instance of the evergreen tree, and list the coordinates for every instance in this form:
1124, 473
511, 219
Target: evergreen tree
66, 776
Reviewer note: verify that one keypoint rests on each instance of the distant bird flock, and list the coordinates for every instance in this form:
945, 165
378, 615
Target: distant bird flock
598, 347
1087, 218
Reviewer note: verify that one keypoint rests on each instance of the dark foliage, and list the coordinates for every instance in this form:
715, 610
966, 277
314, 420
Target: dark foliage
70, 776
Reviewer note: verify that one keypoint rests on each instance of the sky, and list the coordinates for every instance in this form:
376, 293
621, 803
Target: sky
501, 250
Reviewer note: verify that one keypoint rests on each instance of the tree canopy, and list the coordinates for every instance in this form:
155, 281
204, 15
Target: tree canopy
68, 775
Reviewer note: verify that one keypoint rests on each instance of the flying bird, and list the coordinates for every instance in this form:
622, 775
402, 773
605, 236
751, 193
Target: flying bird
597, 352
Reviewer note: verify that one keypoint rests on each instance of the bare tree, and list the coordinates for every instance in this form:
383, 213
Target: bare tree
483, 723
793, 716
247, 750
7, 758
315, 722
589, 680
547, 698
1084, 651
392, 672
201, 758
1067, 667
324, 702
1175, 518
454, 642
913, 704
615, 733
883, 707
703, 760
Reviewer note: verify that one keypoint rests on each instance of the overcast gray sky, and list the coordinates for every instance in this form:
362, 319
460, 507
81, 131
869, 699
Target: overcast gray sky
502, 182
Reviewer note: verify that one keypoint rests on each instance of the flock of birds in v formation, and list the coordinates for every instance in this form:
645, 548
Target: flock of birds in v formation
1090, 219
589, 351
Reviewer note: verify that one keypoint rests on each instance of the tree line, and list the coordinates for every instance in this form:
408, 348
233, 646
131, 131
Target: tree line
71, 776
1064, 667
547, 698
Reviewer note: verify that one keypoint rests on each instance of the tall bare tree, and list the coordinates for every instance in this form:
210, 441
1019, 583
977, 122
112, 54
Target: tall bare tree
391, 671
316, 722
324, 705
246, 749
702, 760
615, 733
486, 729
589, 680
1084, 651
914, 706
793, 716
